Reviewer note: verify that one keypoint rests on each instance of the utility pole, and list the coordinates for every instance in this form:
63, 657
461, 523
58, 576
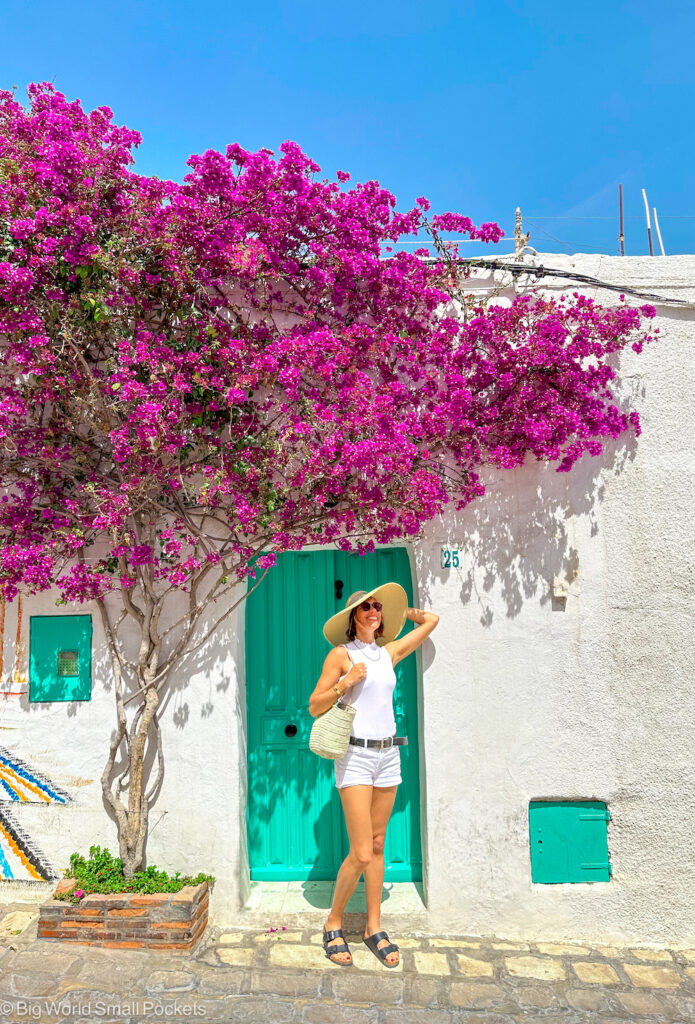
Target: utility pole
658, 233
649, 226
520, 239
621, 236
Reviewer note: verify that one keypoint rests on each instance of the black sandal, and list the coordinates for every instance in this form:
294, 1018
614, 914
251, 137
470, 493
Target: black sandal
383, 951
330, 950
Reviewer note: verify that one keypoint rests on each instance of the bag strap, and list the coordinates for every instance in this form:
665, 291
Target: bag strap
353, 662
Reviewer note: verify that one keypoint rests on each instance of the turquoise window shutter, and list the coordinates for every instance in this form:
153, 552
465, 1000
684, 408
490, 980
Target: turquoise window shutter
60, 657
569, 841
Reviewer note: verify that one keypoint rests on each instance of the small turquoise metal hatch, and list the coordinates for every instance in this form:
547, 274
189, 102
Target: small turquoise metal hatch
569, 841
60, 657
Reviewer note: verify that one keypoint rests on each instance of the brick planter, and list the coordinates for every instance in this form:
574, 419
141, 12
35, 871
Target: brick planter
163, 920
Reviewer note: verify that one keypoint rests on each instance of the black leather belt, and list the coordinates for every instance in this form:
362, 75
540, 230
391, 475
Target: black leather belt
390, 741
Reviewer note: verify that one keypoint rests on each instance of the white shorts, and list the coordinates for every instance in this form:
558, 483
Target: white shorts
368, 766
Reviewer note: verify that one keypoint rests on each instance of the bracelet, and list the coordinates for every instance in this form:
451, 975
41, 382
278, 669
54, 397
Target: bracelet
339, 692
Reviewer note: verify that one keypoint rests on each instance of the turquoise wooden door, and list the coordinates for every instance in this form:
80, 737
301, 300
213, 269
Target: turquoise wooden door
294, 815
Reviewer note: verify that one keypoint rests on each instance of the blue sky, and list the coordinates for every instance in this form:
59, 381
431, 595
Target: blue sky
480, 106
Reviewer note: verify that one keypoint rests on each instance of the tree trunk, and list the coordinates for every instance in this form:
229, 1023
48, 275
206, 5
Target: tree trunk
149, 676
131, 744
132, 838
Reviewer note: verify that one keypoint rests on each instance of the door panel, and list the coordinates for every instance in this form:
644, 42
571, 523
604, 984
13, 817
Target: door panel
296, 828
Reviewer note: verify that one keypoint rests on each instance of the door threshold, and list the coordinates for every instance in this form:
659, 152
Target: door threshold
309, 899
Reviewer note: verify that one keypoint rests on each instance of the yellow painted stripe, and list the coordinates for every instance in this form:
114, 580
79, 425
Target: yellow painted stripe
9, 773
20, 853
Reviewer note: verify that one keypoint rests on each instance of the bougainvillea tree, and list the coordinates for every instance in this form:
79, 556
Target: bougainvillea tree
197, 375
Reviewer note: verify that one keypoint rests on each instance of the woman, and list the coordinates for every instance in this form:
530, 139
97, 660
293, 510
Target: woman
368, 775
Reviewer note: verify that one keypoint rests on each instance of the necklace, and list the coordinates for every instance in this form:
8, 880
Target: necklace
364, 651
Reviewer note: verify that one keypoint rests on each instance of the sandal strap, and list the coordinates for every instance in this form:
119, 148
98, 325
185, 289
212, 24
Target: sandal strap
337, 949
381, 951
338, 933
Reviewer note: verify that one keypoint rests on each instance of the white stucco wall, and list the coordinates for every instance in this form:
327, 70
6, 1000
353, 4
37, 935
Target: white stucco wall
194, 824
525, 701
521, 698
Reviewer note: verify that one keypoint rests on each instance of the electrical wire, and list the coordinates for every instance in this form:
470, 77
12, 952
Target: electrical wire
597, 246
519, 269
558, 240
563, 216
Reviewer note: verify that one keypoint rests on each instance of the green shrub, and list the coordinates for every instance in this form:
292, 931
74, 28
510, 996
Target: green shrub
103, 873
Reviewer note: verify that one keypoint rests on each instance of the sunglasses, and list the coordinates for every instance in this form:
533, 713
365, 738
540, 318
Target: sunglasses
366, 605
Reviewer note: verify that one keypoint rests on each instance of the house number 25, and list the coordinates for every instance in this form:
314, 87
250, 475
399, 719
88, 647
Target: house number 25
450, 558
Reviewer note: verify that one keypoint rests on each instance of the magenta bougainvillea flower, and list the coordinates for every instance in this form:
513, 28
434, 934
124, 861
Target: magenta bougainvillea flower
196, 375
239, 341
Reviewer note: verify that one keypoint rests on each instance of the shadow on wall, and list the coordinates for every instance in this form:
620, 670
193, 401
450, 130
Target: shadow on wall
521, 533
198, 685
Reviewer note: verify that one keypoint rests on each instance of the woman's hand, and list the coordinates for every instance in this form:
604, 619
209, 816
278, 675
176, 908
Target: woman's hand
409, 642
330, 681
417, 615
357, 674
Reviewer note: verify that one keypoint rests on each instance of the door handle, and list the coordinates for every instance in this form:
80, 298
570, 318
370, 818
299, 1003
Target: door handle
290, 730
338, 589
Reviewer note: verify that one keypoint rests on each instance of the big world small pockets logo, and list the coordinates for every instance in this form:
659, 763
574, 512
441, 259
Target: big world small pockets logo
36, 1009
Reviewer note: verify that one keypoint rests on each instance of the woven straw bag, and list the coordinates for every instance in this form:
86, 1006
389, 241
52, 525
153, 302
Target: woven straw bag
330, 732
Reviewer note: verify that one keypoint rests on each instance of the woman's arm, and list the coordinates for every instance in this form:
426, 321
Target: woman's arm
405, 645
335, 665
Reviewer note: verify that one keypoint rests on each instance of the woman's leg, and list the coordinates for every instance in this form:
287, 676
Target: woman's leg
383, 799
356, 802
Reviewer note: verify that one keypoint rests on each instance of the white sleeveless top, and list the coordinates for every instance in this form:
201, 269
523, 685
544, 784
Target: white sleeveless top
373, 697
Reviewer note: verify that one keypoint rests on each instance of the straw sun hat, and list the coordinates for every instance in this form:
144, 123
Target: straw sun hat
394, 602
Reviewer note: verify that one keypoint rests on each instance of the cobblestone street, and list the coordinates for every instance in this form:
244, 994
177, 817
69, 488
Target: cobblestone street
283, 976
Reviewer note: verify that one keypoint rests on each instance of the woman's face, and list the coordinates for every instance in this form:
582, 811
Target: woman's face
369, 620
